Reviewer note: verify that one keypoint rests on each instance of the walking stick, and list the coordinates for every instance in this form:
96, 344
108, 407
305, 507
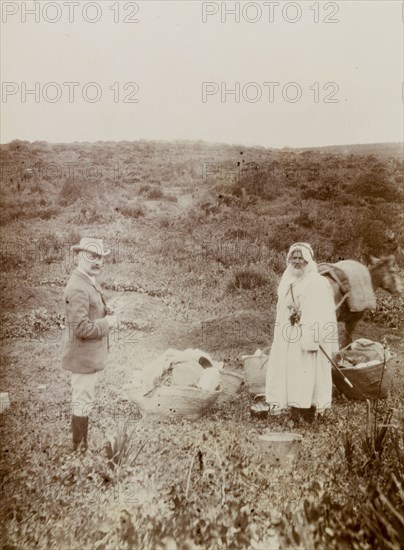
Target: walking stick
336, 367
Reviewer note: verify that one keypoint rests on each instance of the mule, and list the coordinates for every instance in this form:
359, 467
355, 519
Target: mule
384, 275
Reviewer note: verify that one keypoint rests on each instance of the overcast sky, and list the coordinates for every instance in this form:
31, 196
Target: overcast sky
336, 82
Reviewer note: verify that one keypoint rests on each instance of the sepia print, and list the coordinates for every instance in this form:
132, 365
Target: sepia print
202, 266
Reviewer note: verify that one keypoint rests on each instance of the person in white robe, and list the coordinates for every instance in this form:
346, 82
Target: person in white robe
299, 373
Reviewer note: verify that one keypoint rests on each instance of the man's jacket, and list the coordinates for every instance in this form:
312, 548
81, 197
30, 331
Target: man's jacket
86, 336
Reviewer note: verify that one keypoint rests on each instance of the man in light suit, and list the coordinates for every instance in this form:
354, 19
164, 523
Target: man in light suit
87, 328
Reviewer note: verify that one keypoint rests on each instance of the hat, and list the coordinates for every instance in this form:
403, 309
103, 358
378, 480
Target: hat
92, 245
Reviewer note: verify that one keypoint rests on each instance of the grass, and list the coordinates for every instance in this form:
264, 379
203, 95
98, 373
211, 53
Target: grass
121, 449
191, 261
156, 493
246, 278
154, 193
134, 211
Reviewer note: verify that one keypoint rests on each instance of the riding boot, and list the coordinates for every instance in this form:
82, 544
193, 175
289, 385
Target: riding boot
79, 430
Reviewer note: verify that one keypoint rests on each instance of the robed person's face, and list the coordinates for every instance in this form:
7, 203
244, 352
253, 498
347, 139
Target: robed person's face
298, 263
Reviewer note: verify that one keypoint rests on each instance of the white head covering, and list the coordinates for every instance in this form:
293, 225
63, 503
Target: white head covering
304, 248
288, 278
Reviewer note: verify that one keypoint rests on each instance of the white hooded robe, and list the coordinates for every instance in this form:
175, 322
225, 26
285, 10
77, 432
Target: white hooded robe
298, 372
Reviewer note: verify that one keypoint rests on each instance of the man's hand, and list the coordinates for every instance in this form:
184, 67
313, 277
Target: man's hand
112, 320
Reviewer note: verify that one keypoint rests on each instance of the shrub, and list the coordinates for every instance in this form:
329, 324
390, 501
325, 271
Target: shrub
96, 210
18, 145
376, 184
345, 199
283, 235
121, 449
373, 225
27, 208
48, 213
386, 522
237, 233
305, 219
323, 192
246, 278
164, 221
32, 325
144, 188
259, 183
170, 198
389, 312
154, 193
363, 507
71, 191
192, 217
11, 258
50, 248
136, 210
73, 236
38, 187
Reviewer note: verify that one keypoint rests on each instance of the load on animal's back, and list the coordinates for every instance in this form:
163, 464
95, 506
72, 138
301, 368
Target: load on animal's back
354, 285
361, 295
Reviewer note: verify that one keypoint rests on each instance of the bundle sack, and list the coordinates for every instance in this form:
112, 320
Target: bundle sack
366, 365
185, 373
179, 384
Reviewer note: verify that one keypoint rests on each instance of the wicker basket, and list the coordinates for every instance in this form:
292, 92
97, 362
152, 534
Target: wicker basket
182, 402
230, 383
365, 381
255, 369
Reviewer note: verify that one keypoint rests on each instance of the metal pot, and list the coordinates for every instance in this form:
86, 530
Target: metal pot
280, 448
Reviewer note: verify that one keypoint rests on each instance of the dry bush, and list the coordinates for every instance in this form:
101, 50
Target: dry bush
376, 183
73, 236
24, 208
132, 210
144, 188
94, 211
192, 218
246, 278
164, 221
169, 198
305, 219
389, 311
283, 234
71, 191
11, 257
154, 193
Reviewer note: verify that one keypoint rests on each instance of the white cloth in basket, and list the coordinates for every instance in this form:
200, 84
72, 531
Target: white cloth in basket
153, 371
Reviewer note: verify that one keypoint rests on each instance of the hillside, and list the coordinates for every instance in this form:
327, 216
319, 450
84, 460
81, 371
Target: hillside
348, 205
191, 214
381, 150
198, 234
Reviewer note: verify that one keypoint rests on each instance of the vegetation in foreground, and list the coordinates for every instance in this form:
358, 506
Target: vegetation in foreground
198, 235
